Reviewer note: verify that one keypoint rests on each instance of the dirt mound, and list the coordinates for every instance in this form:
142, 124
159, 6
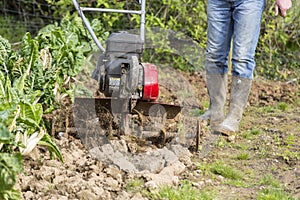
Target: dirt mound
82, 176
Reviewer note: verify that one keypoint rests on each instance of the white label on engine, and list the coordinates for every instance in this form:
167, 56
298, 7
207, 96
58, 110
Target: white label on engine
114, 81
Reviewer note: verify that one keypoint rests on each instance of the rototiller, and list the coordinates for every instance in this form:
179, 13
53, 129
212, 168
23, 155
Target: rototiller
129, 85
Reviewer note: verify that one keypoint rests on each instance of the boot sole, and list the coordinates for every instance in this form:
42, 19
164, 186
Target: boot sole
225, 132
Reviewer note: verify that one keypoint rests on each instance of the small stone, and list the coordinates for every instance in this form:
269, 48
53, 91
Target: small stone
199, 184
107, 149
29, 195
138, 196
209, 182
167, 174
186, 160
86, 195
152, 163
60, 197
123, 196
106, 195
122, 162
180, 151
59, 179
168, 155
98, 191
114, 172
175, 180
62, 134
151, 185
119, 145
111, 184
220, 178
231, 138
97, 153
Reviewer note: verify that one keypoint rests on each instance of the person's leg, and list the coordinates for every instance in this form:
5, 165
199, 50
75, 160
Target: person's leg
218, 44
247, 19
219, 34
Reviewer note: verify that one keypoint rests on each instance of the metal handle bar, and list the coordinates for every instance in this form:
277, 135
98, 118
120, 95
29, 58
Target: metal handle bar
111, 10
142, 12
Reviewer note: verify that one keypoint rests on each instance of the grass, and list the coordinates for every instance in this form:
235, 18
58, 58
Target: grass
272, 189
221, 143
286, 150
273, 194
266, 109
283, 106
269, 180
288, 155
280, 106
134, 185
196, 112
185, 191
241, 146
226, 171
205, 104
297, 102
243, 156
251, 134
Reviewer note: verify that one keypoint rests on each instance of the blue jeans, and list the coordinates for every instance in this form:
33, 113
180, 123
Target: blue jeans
237, 19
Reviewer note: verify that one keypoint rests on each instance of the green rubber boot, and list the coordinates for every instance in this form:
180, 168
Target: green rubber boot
217, 87
240, 90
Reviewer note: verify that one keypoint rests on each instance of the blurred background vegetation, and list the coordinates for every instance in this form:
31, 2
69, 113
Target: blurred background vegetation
278, 52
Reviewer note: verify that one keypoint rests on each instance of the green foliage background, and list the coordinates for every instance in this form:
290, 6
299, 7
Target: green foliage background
278, 51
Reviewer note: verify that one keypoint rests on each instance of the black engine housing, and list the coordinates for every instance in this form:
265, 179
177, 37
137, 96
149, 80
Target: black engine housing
118, 71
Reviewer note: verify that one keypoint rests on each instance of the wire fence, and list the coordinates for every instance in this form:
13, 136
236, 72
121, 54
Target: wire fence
20, 16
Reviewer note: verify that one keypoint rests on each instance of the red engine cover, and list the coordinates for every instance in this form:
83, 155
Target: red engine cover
151, 89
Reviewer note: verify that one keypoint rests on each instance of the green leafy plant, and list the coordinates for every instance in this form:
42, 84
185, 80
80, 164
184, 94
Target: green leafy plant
10, 166
279, 45
10, 162
33, 81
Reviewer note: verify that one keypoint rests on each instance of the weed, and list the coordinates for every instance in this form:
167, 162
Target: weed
283, 106
263, 152
205, 104
226, 171
183, 192
273, 194
221, 143
247, 135
241, 146
288, 155
134, 185
290, 140
286, 148
204, 168
297, 102
196, 112
269, 180
250, 134
273, 189
243, 156
255, 132
237, 183
277, 139
266, 109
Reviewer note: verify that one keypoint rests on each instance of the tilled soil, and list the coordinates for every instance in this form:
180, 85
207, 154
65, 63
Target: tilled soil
83, 175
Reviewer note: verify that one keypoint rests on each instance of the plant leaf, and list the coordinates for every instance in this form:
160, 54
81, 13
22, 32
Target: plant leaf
53, 148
